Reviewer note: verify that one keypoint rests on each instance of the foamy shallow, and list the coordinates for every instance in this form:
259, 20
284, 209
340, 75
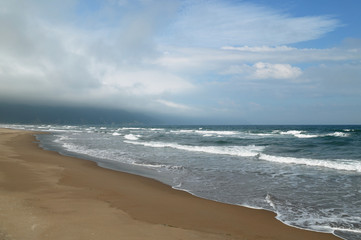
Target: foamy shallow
242, 151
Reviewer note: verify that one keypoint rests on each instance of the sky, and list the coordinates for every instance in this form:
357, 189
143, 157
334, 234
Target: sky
204, 62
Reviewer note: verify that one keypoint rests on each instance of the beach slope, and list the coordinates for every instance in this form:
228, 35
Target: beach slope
44, 195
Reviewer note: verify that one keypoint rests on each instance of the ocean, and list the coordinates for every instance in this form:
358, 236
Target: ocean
310, 176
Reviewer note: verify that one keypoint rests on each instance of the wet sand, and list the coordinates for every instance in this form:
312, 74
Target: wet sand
44, 195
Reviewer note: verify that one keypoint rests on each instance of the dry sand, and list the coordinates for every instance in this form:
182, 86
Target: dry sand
44, 195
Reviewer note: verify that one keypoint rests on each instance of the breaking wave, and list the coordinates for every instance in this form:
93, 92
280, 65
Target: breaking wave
338, 164
242, 151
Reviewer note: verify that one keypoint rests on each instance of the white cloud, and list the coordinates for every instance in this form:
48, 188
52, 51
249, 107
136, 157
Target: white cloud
219, 23
145, 82
278, 71
222, 60
173, 105
262, 70
290, 54
261, 49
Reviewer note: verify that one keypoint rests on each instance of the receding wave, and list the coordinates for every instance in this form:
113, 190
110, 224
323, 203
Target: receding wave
149, 165
242, 151
86, 151
339, 164
155, 165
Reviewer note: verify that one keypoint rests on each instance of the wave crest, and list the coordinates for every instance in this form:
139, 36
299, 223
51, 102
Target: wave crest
338, 164
241, 151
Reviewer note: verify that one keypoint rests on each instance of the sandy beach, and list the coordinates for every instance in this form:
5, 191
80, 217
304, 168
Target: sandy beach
44, 195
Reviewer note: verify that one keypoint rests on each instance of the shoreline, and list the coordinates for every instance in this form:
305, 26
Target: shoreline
61, 197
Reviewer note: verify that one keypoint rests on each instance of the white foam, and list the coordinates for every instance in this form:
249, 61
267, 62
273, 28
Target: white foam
242, 151
132, 137
156, 129
130, 128
207, 135
347, 230
262, 134
307, 135
116, 134
57, 130
42, 126
338, 164
61, 139
148, 165
303, 134
227, 133
339, 134
299, 134
291, 132
154, 165
270, 202
182, 131
86, 151
114, 156
204, 132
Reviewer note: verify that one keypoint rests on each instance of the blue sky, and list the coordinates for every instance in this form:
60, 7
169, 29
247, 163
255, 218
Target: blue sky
206, 61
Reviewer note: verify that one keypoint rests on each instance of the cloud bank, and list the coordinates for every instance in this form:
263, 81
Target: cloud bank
169, 57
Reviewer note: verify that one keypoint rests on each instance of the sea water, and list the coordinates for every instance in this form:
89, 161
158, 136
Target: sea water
309, 175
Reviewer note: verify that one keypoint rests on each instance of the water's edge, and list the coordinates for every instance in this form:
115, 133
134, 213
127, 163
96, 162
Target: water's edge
126, 168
